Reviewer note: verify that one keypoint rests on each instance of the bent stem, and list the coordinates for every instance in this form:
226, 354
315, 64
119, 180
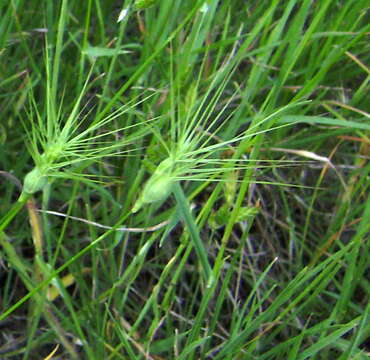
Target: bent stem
201, 251
15, 209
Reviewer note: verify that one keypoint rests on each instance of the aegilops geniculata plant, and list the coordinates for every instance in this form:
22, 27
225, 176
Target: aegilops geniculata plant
193, 149
56, 144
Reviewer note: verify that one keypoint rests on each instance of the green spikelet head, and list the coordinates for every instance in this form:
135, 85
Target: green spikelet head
159, 185
34, 181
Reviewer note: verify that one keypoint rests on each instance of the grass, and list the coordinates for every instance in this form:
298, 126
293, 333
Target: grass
190, 182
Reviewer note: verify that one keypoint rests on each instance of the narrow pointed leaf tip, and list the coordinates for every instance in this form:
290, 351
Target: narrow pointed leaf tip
97, 51
123, 13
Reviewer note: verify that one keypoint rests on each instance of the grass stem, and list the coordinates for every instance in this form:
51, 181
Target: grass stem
15, 209
200, 249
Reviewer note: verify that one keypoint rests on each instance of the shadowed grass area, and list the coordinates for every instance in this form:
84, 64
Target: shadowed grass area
184, 180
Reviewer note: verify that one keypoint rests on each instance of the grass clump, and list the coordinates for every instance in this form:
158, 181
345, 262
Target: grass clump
208, 165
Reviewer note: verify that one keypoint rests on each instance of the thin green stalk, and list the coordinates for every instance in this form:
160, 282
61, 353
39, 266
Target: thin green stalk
55, 272
14, 210
201, 251
17, 263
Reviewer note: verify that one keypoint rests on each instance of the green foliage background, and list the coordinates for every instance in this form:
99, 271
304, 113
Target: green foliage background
267, 262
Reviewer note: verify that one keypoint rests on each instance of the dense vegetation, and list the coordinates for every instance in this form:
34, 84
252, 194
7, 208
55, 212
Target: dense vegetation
184, 179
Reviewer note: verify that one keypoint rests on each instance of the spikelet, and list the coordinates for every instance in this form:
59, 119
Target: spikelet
34, 181
159, 186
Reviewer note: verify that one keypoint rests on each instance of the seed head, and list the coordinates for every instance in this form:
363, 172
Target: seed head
159, 185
